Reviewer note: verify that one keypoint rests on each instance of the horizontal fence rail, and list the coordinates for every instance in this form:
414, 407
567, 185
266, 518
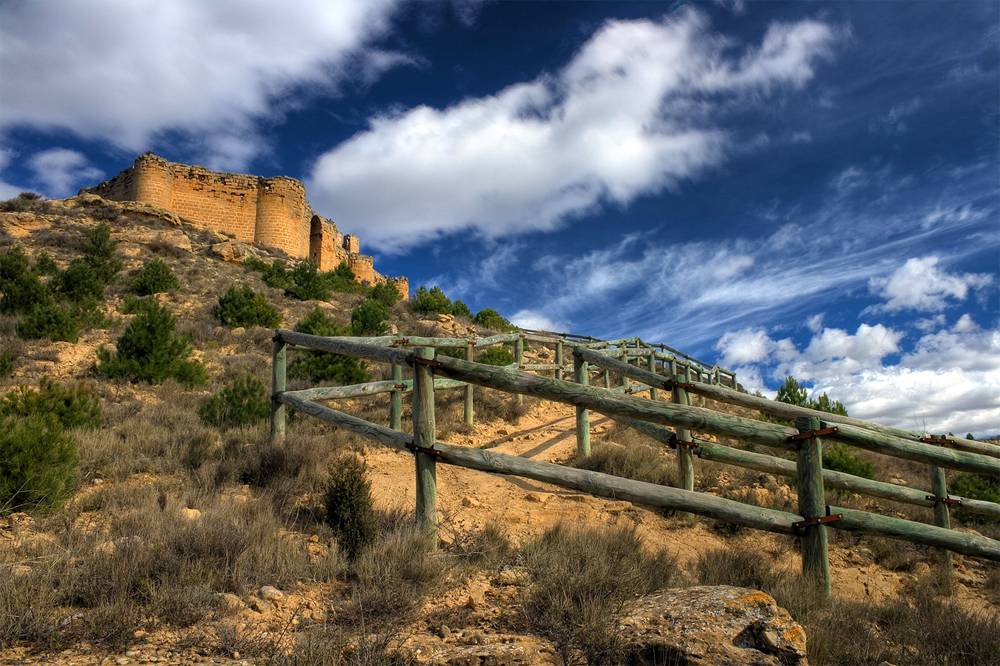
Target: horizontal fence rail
649, 416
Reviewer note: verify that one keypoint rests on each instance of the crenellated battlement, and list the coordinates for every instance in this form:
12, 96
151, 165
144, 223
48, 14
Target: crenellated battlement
252, 209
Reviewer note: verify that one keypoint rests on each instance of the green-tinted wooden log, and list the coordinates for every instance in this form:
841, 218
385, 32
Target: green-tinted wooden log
834, 479
539, 366
519, 360
607, 362
594, 483
658, 433
917, 451
370, 388
939, 486
559, 360
469, 351
496, 339
392, 438
582, 377
928, 535
600, 400
424, 437
396, 399
347, 346
630, 389
786, 411
613, 487
812, 504
653, 392
685, 460
279, 360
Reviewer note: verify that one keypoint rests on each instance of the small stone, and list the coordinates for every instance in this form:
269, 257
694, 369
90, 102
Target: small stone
471, 501
259, 605
503, 432
536, 497
314, 538
475, 601
513, 576
190, 514
920, 569
271, 593
231, 601
106, 548
121, 661
236, 654
445, 631
132, 653
239, 330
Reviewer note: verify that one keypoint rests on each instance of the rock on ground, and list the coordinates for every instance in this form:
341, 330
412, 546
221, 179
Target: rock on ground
713, 626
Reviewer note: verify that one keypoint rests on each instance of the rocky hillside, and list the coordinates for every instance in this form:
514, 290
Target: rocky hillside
180, 535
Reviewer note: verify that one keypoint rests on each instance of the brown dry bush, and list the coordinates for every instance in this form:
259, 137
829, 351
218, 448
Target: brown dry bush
636, 460
582, 576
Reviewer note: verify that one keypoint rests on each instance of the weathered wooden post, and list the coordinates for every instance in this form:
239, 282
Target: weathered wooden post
468, 387
424, 438
519, 359
559, 360
939, 486
581, 374
812, 506
396, 399
279, 361
685, 458
654, 393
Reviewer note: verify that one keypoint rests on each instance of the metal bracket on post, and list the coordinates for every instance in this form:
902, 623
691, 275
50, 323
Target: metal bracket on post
936, 440
673, 442
817, 521
434, 363
950, 499
813, 433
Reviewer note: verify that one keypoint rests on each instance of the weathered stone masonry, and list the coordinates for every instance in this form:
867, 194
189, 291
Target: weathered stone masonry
252, 209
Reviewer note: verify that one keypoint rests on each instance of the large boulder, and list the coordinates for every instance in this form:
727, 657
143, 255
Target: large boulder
712, 626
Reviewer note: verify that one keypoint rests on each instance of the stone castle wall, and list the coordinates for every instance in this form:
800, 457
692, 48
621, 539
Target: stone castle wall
252, 209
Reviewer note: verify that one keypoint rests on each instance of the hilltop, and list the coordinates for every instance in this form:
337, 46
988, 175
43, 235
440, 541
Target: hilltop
185, 537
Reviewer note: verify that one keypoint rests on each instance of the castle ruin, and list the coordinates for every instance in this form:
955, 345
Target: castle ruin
269, 211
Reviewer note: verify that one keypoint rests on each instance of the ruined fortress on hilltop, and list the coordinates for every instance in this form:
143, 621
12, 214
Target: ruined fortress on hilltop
270, 211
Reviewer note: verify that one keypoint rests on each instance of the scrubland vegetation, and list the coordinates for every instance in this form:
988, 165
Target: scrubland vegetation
144, 495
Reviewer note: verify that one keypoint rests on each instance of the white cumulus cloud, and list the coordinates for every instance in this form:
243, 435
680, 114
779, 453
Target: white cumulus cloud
631, 113
949, 382
920, 284
127, 70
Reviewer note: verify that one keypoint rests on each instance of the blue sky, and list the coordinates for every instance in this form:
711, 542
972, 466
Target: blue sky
782, 187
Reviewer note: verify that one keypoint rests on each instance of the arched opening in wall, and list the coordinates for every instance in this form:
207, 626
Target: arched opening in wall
316, 240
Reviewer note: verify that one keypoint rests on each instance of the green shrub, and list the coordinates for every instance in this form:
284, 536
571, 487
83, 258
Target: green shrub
37, 463
349, 508
310, 284
491, 319
385, 293
433, 301
72, 407
343, 280
977, 487
6, 364
242, 403
319, 366
244, 307
81, 282
20, 287
155, 278
460, 309
368, 318
99, 251
44, 265
274, 274
150, 351
48, 320
496, 356
840, 458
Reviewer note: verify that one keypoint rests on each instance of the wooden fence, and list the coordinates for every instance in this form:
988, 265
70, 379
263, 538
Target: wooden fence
649, 416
